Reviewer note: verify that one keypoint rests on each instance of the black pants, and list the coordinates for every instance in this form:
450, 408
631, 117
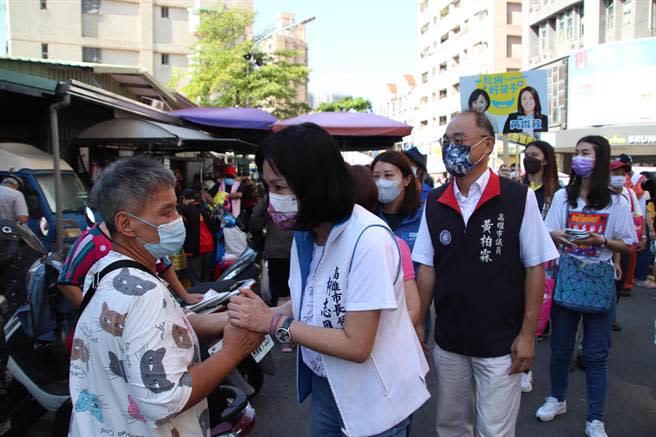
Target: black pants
278, 279
200, 268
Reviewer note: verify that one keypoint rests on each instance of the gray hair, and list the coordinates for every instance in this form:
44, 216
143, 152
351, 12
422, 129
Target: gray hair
126, 184
482, 121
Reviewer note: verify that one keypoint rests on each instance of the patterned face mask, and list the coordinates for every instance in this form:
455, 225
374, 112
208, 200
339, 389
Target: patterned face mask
283, 210
456, 157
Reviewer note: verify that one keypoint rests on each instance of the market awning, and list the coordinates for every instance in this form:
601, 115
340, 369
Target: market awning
354, 130
157, 136
249, 124
232, 118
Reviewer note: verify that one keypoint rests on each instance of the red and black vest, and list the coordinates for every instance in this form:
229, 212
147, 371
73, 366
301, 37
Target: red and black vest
479, 283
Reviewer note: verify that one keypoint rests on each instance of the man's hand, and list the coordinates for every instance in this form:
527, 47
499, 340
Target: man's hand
250, 312
240, 341
192, 298
420, 329
522, 352
643, 244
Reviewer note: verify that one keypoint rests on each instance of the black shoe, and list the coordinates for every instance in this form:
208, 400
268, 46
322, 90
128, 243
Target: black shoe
616, 327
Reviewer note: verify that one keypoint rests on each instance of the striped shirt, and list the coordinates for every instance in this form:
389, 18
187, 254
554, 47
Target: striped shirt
92, 245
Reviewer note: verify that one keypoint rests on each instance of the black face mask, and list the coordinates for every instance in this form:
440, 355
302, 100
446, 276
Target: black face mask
532, 165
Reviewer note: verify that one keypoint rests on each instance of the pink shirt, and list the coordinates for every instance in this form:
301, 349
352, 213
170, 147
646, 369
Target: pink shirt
406, 260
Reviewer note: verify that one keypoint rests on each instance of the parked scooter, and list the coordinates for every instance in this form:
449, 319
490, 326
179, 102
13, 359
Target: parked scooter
245, 272
34, 364
34, 358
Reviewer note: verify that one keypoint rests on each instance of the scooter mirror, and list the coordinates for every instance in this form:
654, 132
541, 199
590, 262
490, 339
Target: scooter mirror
90, 216
43, 226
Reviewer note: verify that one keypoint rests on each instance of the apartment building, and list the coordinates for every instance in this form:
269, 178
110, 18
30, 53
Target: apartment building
288, 35
157, 35
586, 43
460, 38
455, 38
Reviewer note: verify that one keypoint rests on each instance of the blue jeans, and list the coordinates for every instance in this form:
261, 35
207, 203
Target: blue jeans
325, 420
596, 347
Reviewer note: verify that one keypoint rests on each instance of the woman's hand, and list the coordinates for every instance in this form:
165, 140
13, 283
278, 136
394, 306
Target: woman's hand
592, 240
561, 237
250, 312
618, 270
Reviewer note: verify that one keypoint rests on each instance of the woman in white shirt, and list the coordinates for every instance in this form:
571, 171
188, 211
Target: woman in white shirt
588, 205
347, 308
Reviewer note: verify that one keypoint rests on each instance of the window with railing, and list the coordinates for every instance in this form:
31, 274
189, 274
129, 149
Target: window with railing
627, 12
44, 51
424, 77
91, 54
442, 120
610, 14
91, 6
443, 93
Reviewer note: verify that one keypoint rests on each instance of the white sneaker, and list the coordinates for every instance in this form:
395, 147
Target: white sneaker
551, 409
595, 429
527, 382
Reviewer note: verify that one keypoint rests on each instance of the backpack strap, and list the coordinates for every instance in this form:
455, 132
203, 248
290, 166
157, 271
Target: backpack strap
398, 266
116, 265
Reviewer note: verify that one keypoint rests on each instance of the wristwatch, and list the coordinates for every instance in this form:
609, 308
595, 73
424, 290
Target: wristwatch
282, 334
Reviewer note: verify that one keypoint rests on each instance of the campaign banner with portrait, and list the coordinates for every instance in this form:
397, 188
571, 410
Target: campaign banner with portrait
515, 102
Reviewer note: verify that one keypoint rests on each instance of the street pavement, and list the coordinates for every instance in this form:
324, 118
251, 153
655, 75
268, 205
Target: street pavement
630, 406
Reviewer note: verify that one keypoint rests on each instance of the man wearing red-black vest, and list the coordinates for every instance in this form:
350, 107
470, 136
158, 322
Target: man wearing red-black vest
481, 247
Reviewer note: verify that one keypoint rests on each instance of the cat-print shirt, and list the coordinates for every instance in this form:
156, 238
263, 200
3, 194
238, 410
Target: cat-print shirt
132, 348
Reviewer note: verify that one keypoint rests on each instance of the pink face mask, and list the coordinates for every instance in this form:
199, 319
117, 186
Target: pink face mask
283, 210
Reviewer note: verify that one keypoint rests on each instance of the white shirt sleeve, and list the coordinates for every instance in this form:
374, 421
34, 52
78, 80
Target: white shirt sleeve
622, 227
556, 219
374, 269
423, 251
535, 244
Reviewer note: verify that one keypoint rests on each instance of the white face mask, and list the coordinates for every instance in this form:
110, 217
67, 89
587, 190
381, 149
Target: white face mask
617, 181
283, 202
388, 190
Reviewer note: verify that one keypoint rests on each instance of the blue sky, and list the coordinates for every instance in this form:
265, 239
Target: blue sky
355, 46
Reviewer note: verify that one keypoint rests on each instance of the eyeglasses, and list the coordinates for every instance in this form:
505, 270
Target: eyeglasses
445, 141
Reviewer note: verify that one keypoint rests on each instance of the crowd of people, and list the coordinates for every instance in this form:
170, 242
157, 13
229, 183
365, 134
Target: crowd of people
363, 253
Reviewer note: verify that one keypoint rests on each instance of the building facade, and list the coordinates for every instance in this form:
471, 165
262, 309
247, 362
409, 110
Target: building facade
288, 35
597, 54
157, 35
460, 38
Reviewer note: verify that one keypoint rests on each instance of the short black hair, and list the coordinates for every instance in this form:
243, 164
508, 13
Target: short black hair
475, 95
482, 121
309, 159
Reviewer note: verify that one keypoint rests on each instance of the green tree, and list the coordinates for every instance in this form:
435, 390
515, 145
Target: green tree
229, 70
346, 104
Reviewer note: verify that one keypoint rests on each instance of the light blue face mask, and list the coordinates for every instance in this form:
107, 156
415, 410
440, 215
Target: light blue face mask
171, 237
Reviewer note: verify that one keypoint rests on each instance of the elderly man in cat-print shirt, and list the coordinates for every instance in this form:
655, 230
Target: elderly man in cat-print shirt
135, 365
